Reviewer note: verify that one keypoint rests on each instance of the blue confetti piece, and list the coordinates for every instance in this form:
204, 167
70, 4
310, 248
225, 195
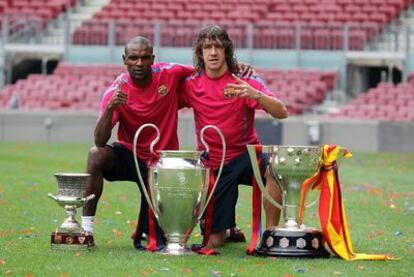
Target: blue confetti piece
356, 187
300, 270
398, 234
108, 222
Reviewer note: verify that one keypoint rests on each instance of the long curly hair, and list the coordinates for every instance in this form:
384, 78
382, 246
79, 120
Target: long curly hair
214, 32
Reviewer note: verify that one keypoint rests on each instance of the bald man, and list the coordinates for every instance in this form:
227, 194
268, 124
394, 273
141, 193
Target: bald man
147, 93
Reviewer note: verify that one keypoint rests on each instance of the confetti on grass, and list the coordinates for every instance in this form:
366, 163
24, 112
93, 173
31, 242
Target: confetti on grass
117, 233
398, 233
215, 272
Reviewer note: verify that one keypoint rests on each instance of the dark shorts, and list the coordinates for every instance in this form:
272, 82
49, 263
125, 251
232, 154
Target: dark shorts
124, 166
124, 170
238, 171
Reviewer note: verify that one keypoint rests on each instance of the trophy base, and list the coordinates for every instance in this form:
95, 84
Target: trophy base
283, 242
71, 241
176, 249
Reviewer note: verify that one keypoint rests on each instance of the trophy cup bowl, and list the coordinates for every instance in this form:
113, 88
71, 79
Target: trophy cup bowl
177, 190
290, 166
70, 235
179, 184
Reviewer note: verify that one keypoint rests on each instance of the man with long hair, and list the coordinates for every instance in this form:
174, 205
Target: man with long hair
219, 97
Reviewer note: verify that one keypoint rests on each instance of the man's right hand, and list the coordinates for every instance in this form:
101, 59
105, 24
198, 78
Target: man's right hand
118, 99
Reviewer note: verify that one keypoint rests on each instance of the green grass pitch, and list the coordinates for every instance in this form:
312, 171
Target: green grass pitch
377, 191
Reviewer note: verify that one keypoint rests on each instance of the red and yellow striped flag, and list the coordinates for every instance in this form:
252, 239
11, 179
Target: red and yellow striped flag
331, 209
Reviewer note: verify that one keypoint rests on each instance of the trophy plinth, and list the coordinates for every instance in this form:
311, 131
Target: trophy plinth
71, 241
284, 242
290, 166
70, 235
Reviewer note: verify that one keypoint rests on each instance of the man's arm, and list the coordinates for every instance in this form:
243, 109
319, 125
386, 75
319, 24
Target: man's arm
272, 105
104, 126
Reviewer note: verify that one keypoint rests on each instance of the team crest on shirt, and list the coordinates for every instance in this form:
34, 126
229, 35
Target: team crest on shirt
162, 90
229, 92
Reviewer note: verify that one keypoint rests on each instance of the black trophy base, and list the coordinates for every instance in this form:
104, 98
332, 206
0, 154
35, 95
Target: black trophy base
71, 241
283, 242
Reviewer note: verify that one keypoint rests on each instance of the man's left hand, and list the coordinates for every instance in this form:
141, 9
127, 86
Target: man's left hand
242, 89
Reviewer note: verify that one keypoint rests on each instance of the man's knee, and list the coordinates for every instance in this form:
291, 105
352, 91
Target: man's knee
98, 158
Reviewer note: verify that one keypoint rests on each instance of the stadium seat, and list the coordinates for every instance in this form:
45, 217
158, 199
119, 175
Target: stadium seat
79, 87
327, 13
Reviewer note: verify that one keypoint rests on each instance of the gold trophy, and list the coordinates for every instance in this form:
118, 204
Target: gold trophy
290, 166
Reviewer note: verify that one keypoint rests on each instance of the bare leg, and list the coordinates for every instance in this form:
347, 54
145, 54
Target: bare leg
216, 239
99, 160
272, 212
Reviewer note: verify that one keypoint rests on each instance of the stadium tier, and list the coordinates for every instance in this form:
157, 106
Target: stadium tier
43, 10
79, 87
386, 102
274, 22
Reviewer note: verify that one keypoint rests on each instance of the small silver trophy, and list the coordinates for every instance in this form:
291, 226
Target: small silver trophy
290, 166
178, 189
70, 235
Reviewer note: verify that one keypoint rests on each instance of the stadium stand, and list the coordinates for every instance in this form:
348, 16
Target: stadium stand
300, 89
44, 10
387, 102
79, 87
70, 87
275, 21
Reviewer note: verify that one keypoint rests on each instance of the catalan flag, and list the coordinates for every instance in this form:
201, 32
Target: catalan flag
331, 209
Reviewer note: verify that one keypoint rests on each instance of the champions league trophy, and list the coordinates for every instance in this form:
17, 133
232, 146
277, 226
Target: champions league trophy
70, 235
290, 166
177, 192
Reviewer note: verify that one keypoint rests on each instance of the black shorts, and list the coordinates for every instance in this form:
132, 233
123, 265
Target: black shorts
238, 171
124, 170
124, 166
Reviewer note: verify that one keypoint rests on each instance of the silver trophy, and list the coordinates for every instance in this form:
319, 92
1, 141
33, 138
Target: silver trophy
71, 189
290, 166
178, 190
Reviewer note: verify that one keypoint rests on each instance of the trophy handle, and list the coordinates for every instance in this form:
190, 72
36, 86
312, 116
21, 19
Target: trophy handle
251, 149
223, 142
52, 196
87, 198
134, 145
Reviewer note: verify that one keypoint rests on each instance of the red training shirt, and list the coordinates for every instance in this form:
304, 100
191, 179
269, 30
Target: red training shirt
155, 103
234, 116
